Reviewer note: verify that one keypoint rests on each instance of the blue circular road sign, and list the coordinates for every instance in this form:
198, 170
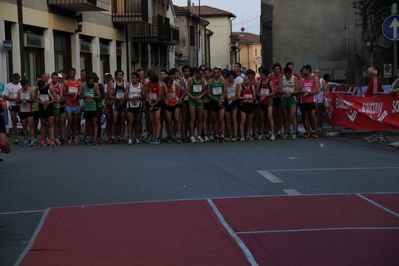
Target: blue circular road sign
390, 28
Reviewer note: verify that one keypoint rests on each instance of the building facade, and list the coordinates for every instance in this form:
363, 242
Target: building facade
250, 50
194, 38
303, 32
50, 35
150, 32
223, 46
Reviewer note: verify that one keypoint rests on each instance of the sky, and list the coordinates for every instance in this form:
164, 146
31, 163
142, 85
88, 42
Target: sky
247, 12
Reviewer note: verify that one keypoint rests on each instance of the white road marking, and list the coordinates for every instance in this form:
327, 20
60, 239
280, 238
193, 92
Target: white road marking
242, 245
330, 169
291, 191
272, 178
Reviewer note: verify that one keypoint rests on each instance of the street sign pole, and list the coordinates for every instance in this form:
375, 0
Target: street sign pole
394, 11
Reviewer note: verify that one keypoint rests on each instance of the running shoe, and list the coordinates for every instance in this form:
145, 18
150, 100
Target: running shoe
286, 136
121, 141
16, 141
186, 139
33, 142
58, 142
76, 140
52, 143
373, 137
178, 139
211, 138
192, 139
316, 136
99, 141
111, 141
307, 135
294, 137
394, 144
43, 143
70, 143
242, 138
155, 141
233, 138
149, 139
272, 137
260, 137
250, 138
130, 142
138, 141
94, 143
279, 136
206, 138
200, 139
221, 139
26, 143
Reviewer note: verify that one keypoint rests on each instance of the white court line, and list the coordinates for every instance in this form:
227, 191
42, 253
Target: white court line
378, 205
331, 169
291, 191
318, 229
244, 248
272, 178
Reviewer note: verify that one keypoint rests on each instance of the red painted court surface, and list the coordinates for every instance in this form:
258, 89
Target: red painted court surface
349, 229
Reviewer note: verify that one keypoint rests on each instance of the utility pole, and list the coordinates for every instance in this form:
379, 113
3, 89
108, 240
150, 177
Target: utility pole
21, 37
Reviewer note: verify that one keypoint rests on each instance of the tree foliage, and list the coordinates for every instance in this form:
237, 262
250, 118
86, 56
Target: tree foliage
382, 9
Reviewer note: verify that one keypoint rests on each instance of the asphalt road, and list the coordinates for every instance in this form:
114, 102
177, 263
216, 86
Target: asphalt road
37, 178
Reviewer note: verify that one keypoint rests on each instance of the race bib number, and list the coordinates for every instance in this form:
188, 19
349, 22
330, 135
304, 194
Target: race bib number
25, 95
89, 94
288, 89
120, 94
153, 96
264, 91
44, 97
231, 95
134, 94
170, 96
73, 90
197, 88
217, 91
306, 89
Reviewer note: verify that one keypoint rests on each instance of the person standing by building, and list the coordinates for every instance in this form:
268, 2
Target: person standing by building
134, 96
247, 94
373, 88
320, 99
310, 87
72, 106
217, 93
289, 88
25, 97
46, 96
154, 104
91, 94
240, 76
10, 95
265, 89
276, 77
231, 105
116, 92
195, 91
172, 99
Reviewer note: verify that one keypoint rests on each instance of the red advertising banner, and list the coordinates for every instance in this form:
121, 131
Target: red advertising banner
379, 112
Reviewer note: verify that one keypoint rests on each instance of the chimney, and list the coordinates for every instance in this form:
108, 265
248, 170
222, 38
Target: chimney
189, 5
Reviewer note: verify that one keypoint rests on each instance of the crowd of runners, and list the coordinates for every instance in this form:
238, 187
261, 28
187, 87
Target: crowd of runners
194, 105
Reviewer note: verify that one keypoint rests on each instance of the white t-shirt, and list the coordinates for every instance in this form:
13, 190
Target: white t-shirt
240, 79
11, 91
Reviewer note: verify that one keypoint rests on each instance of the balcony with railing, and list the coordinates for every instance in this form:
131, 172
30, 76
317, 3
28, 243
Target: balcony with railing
130, 11
159, 32
81, 5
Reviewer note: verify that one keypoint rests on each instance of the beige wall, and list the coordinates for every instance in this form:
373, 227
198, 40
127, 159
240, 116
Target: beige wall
220, 41
97, 25
248, 54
